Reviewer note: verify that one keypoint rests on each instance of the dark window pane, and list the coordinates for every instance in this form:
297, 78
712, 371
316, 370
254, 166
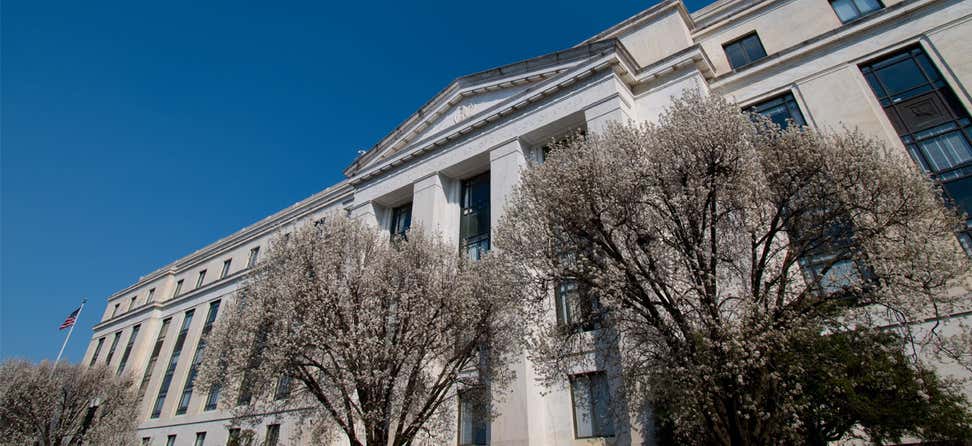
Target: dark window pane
845, 9
736, 56
781, 111
754, 48
960, 192
901, 77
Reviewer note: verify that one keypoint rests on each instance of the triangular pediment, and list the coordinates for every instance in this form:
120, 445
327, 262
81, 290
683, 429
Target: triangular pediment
467, 99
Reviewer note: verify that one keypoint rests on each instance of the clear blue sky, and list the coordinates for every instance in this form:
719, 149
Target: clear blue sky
133, 133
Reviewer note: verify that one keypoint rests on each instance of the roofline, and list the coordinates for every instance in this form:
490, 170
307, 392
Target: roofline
641, 17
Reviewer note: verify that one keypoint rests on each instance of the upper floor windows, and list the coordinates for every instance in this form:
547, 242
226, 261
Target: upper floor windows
94, 356
591, 400
577, 309
128, 349
933, 125
151, 296
782, 110
474, 223
401, 220
114, 312
848, 10
201, 278
744, 50
226, 268
254, 255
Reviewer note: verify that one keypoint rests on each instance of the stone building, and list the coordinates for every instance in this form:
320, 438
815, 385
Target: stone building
899, 70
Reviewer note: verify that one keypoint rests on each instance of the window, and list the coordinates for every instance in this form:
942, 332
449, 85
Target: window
254, 253
197, 359
848, 10
151, 296
319, 223
239, 437
782, 110
474, 224
212, 399
115, 311
128, 349
170, 440
282, 390
226, 268
146, 441
401, 220
591, 400
178, 289
200, 439
577, 309
173, 361
826, 238
744, 50
131, 305
94, 356
930, 120
201, 278
159, 341
473, 423
273, 435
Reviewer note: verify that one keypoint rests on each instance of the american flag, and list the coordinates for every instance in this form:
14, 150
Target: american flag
71, 319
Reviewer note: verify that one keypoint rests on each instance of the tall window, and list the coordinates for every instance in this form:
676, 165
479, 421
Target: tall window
401, 220
282, 391
200, 439
128, 349
577, 309
178, 289
173, 361
590, 396
473, 422
848, 10
254, 254
114, 312
782, 110
94, 356
111, 350
150, 367
197, 359
474, 218
226, 268
744, 50
131, 304
201, 278
146, 441
930, 120
273, 435
151, 296
170, 440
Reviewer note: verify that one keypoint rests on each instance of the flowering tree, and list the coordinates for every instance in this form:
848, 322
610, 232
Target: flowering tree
72, 405
711, 243
374, 336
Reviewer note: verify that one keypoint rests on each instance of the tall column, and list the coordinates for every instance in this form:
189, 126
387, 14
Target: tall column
506, 162
435, 206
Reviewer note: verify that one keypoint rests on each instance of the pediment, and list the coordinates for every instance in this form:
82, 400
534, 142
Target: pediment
468, 99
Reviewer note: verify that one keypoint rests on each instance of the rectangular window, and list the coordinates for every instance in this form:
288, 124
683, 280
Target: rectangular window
97, 352
178, 289
474, 223
744, 50
151, 296
170, 440
226, 268
173, 362
128, 349
234, 439
782, 110
590, 396
273, 435
200, 439
146, 441
254, 254
930, 120
150, 367
115, 311
473, 422
282, 390
197, 359
577, 309
212, 399
401, 220
201, 278
131, 305
111, 350
849, 10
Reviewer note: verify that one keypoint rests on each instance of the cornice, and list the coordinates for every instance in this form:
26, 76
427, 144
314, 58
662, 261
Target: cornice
642, 17
822, 41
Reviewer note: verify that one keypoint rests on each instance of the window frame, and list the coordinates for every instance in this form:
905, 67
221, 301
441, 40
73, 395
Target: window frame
573, 402
487, 425
397, 214
739, 41
226, 268
481, 241
254, 256
859, 15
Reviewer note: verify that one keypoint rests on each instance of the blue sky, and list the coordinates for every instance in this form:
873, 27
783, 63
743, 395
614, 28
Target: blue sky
133, 133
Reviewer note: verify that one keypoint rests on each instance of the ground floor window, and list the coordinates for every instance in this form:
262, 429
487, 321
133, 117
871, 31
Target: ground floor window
590, 396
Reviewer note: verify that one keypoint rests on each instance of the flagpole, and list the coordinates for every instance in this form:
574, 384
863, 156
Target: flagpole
68, 337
